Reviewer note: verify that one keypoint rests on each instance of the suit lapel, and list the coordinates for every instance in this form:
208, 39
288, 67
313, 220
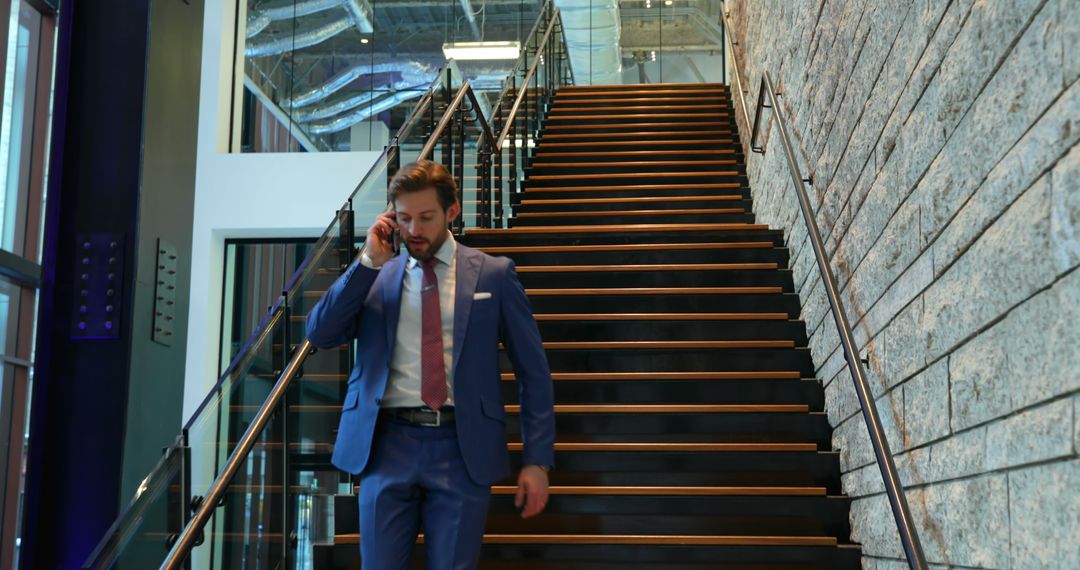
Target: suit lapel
468, 274
392, 298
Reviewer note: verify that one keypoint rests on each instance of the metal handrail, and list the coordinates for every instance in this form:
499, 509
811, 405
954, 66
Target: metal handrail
465, 91
525, 82
894, 489
182, 548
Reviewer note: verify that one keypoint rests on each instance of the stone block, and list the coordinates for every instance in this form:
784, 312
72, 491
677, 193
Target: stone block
1044, 508
1027, 82
1043, 144
961, 455
926, 406
909, 285
852, 441
1065, 210
899, 245
1076, 423
873, 526
862, 482
841, 401
1028, 357
1038, 434
1070, 38
964, 522
905, 343
1006, 265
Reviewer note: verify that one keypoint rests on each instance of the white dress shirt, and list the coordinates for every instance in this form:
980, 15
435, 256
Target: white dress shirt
403, 385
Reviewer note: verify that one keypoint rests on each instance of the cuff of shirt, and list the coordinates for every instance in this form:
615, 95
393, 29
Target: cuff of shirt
366, 261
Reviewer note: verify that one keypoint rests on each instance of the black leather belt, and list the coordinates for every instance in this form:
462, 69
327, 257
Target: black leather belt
421, 416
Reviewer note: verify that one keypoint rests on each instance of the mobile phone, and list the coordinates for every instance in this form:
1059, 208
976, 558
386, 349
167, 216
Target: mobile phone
395, 242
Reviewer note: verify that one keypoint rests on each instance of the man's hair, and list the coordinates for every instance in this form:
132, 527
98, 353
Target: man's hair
421, 175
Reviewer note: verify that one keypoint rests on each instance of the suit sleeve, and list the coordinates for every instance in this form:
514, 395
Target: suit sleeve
522, 339
334, 319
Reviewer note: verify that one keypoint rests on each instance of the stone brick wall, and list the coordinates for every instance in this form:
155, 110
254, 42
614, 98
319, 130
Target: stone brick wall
942, 139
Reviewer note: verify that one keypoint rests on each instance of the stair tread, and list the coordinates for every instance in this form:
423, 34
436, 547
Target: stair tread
562, 108
625, 187
544, 154
667, 490
669, 408
636, 163
694, 174
623, 228
678, 447
637, 125
610, 213
628, 539
716, 375
648, 267
659, 291
667, 344
660, 316
643, 134
626, 247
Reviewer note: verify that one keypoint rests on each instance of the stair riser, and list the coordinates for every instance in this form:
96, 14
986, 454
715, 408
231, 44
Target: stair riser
714, 175
777, 303
679, 190
604, 144
672, 330
723, 278
678, 164
747, 255
620, 237
718, 428
682, 392
621, 557
552, 154
663, 203
689, 360
625, 219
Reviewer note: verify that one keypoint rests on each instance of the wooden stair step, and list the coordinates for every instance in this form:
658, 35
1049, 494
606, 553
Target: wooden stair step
667, 344
674, 447
621, 229
654, 267
609, 213
661, 316
630, 376
634, 164
658, 291
639, 187
637, 125
631, 116
609, 175
671, 408
564, 109
673, 491
637, 135
625, 247
544, 154
640, 539
570, 99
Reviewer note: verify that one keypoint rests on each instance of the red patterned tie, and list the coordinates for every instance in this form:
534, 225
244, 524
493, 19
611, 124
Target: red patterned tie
432, 367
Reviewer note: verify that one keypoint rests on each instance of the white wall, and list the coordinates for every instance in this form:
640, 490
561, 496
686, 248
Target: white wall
246, 195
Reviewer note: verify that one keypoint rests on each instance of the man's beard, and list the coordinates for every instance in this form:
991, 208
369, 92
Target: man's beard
428, 253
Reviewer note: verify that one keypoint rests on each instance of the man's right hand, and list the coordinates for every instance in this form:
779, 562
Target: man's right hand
380, 238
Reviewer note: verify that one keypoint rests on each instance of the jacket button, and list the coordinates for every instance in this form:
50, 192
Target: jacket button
378, 401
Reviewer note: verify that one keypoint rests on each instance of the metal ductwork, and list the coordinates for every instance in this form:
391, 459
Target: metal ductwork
592, 31
325, 112
358, 15
412, 72
345, 121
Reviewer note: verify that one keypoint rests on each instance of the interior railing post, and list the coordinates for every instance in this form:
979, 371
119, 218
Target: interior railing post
459, 159
513, 186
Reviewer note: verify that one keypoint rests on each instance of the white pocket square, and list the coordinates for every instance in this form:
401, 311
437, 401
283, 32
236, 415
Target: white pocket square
481, 296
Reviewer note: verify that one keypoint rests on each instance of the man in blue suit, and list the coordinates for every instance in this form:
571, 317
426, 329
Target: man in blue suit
423, 423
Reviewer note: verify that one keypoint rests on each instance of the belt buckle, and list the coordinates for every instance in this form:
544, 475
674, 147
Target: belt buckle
438, 418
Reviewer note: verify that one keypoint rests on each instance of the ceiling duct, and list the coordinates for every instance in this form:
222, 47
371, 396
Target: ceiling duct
411, 72
327, 111
345, 121
258, 21
357, 15
592, 33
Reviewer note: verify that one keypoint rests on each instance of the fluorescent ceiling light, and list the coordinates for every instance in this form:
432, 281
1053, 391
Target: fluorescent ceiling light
463, 51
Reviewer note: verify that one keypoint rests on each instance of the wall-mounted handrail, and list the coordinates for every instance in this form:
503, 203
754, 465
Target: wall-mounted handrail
894, 489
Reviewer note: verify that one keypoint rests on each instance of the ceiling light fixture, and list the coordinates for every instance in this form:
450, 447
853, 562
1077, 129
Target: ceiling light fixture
363, 40
463, 51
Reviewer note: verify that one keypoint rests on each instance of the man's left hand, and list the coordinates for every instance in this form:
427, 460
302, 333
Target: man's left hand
532, 491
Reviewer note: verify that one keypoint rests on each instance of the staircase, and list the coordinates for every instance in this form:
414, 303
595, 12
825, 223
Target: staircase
690, 427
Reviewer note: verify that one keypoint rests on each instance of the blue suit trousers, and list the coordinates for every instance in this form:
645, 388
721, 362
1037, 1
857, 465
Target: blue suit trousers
417, 480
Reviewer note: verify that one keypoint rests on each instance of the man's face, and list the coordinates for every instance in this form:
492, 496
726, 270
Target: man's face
423, 221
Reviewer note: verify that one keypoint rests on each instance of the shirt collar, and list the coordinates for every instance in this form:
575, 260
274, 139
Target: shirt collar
445, 254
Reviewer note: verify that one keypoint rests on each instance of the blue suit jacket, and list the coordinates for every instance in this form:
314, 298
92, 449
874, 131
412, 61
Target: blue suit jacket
365, 304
